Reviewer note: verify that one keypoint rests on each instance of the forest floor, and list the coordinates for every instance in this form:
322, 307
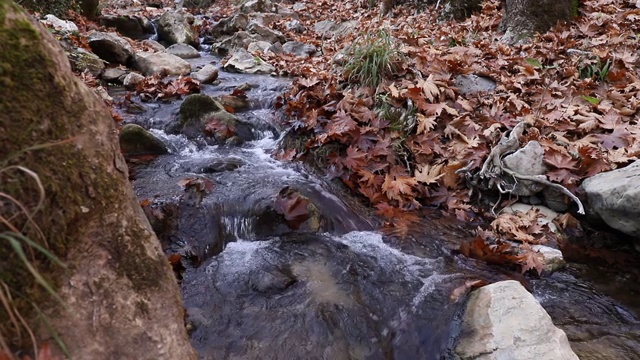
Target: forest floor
403, 136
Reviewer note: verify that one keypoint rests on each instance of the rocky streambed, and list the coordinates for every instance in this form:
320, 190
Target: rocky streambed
276, 262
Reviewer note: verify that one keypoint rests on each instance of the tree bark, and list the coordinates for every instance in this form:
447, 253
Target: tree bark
523, 18
121, 298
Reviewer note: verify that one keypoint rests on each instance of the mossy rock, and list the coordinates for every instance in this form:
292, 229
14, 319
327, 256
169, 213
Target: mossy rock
135, 140
196, 106
82, 60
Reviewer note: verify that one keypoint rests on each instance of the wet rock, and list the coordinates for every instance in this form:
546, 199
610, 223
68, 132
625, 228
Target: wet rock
183, 51
156, 63
235, 102
271, 282
504, 321
206, 75
135, 140
62, 26
222, 165
174, 28
113, 75
132, 80
243, 62
132, 26
269, 35
329, 29
527, 161
614, 197
473, 84
258, 6
154, 45
110, 47
553, 259
81, 60
299, 48
195, 106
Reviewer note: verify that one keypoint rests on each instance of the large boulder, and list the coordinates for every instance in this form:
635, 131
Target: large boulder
174, 28
243, 62
157, 63
269, 35
132, 26
614, 197
117, 297
503, 321
110, 47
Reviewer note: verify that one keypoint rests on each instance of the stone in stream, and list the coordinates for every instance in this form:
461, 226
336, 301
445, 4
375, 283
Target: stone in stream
157, 63
243, 62
132, 80
174, 28
183, 51
236, 103
135, 140
614, 198
114, 75
503, 321
110, 47
206, 75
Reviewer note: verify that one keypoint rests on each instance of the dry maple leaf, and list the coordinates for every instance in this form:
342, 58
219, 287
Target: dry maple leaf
428, 174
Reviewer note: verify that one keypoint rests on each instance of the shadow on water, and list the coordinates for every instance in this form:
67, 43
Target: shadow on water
256, 289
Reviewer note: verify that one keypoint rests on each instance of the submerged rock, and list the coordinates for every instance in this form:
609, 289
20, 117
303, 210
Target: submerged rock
504, 321
135, 140
614, 197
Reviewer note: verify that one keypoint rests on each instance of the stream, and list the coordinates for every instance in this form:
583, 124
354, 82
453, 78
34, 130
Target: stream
255, 289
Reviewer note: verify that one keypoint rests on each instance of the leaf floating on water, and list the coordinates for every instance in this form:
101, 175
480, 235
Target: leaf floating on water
465, 288
294, 206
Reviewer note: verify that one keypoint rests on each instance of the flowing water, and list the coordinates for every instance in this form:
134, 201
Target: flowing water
256, 289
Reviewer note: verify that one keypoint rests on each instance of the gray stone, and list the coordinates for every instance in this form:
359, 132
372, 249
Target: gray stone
206, 75
174, 28
527, 161
299, 48
261, 46
62, 26
132, 80
110, 47
156, 63
295, 25
113, 74
614, 197
103, 94
81, 60
239, 40
503, 321
329, 29
229, 26
135, 140
183, 51
257, 6
272, 36
196, 106
473, 84
153, 45
132, 26
243, 62
553, 259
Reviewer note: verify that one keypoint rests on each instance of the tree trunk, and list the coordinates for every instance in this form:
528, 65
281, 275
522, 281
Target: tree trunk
523, 18
121, 300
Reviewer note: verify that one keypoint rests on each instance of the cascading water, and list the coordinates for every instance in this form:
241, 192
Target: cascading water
259, 290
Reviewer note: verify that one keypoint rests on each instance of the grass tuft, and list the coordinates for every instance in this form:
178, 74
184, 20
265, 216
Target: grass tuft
374, 58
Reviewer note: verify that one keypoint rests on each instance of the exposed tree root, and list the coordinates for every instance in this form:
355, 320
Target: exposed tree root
493, 169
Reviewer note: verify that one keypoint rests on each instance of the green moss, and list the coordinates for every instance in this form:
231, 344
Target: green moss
575, 4
197, 105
